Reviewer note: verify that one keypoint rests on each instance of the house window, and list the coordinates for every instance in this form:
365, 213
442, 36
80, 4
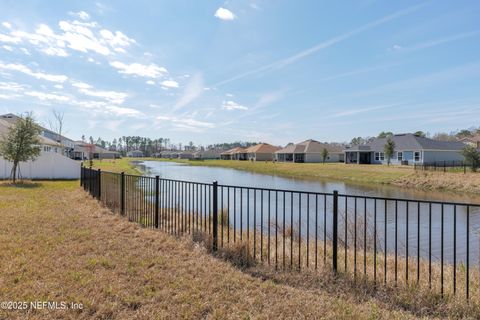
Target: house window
416, 155
399, 156
379, 156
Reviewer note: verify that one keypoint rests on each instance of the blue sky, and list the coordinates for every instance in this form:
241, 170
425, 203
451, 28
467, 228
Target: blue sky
215, 71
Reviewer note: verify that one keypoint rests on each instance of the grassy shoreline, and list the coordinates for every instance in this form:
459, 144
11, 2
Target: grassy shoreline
397, 176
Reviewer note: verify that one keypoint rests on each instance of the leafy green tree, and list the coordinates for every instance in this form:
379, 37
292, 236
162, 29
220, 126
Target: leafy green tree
389, 149
464, 133
324, 155
472, 157
20, 144
420, 134
384, 134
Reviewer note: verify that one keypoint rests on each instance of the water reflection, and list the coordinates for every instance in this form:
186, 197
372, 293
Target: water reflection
397, 225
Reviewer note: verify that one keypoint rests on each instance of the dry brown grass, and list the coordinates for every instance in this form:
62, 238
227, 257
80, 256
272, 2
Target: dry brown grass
277, 258
449, 181
58, 244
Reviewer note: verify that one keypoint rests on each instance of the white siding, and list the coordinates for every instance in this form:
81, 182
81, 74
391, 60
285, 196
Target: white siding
48, 165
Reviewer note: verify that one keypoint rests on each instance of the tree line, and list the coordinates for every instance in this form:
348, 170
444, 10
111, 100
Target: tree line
150, 146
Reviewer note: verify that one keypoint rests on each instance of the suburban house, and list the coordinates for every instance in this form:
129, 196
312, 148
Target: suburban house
309, 151
261, 152
64, 143
135, 154
209, 154
168, 154
409, 149
87, 151
237, 153
50, 164
185, 155
472, 141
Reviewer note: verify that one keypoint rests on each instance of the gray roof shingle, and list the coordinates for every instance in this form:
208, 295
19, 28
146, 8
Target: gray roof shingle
409, 141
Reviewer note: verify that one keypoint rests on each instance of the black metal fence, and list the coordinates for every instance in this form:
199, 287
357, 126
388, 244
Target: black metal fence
445, 166
429, 244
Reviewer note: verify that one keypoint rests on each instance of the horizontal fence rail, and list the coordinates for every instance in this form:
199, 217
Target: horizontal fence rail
430, 244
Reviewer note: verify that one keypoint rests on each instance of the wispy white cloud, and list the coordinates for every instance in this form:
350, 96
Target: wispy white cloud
81, 15
186, 123
325, 44
169, 84
224, 14
110, 96
11, 90
232, 105
140, 70
116, 40
9, 39
76, 35
122, 111
356, 111
103, 107
193, 90
39, 75
47, 96
12, 86
426, 80
437, 42
358, 71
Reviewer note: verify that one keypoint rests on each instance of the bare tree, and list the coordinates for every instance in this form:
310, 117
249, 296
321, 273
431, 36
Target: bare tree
56, 125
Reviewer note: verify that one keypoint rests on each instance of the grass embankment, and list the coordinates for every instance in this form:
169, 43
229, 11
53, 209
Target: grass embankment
402, 176
57, 244
117, 165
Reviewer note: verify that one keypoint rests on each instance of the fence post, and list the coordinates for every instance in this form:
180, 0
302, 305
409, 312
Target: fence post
122, 193
99, 185
157, 183
215, 215
81, 174
464, 168
90, 181
335, 230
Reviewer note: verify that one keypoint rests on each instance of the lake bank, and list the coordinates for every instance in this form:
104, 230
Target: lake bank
398, 176
361, 175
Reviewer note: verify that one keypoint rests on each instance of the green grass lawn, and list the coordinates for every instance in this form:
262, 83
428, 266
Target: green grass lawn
117, 165
312, 171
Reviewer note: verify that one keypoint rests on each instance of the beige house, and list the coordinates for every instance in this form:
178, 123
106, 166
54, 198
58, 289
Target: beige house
185, 155
87, 151
261, 152
309, 151
208, 154
237, 153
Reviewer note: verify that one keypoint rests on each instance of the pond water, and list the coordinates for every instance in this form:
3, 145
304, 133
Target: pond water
399, 224
227, 176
